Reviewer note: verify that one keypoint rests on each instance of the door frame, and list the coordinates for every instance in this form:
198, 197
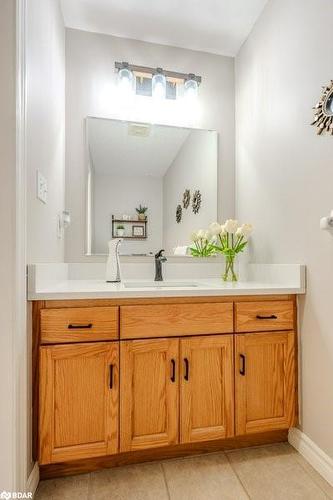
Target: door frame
24, 479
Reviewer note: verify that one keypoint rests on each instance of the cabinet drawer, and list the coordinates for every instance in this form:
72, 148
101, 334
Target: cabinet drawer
264, 316
170, 320
79, 324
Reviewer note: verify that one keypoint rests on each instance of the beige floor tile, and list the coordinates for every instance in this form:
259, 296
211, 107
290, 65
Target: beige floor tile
317, 478
273, 473
134, 482
207, 477
67, 488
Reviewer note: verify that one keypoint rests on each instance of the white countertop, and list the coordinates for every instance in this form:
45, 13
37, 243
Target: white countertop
58, 283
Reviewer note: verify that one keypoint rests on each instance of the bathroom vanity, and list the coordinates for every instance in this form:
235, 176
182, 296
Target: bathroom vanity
131, 375
135, 371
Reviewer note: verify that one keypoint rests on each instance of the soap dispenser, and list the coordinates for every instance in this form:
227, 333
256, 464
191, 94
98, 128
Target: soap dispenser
112, 264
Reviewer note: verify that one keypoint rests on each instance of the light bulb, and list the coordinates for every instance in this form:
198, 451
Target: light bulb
125, 81
191, 87
159, 85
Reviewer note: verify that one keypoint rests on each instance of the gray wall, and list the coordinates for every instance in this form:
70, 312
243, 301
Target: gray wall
195, 167
118, 195
90, 90
284, 177
45, 127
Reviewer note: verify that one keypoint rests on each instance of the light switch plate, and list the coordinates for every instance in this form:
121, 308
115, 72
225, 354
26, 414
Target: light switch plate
41, 187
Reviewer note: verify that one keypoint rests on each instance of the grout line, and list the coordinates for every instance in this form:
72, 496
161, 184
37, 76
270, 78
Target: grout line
250, 447
165, 481
237, 476
89, 487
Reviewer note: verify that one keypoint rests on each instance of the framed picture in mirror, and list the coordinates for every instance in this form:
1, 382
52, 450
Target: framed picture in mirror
138, 231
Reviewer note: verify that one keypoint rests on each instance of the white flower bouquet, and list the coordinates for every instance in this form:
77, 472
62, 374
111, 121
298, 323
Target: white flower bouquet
228, 239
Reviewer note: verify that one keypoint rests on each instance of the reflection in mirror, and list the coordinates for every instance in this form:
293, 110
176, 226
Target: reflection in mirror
329, 105
138, 174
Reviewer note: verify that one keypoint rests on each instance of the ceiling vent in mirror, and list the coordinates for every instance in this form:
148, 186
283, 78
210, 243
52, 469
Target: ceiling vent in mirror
139, 129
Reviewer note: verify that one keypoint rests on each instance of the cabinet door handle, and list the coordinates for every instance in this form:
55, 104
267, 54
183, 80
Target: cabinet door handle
73, 326
242, 368
173, 371
272, 316
187, 369
111, 377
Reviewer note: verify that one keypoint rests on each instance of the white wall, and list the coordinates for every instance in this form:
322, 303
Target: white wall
118, 195
195, 167
284, 175
7, 248
91, 90
45, 126
45, 136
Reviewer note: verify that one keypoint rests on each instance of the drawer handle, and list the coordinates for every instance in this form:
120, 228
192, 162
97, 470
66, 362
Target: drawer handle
111, 377
187, 369
243, 361
173, 372
73, 326
272, 316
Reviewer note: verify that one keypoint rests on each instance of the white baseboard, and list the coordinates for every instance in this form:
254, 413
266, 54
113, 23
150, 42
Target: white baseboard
316, 457
33, 480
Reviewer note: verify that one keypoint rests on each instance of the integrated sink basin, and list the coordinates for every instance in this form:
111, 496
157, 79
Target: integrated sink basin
159, 284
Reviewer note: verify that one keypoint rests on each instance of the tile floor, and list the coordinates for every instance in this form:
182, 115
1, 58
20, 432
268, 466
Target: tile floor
264, 473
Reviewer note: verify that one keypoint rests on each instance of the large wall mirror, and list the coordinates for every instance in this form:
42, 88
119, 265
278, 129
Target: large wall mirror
170, 171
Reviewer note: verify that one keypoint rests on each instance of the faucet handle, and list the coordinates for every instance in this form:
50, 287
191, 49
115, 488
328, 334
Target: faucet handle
159, 254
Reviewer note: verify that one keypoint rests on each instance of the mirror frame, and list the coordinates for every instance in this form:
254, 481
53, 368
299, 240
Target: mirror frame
324, 120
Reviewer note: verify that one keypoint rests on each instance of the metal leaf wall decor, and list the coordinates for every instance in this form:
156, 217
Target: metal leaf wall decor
324, 111
186, 198
196, 201
179, 213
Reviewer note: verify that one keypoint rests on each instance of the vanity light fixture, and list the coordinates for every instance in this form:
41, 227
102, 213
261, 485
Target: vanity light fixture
159, 84
125, 78
156, 82
191, 87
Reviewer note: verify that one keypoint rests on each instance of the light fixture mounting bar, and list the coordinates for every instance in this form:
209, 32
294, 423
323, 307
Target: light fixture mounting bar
152, 71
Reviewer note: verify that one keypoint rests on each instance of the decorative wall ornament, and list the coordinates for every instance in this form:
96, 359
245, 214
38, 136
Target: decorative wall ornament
196, 201
186, 198
324, 111
179, 214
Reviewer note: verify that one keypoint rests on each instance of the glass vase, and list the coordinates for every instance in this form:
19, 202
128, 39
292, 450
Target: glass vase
229, 271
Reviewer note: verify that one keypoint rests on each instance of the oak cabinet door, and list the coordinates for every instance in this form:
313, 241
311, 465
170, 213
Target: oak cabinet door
149, 393
207, 388
265, 381
79, 391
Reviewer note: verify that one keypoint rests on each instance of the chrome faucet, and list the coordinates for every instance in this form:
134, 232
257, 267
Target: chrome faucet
159, 259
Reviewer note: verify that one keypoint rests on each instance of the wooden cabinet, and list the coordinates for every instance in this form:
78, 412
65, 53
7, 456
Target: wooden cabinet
265, 381
79, 387
173, 320
207, 388
79, 324
149, 393
151, 387
264, 316
135, 375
